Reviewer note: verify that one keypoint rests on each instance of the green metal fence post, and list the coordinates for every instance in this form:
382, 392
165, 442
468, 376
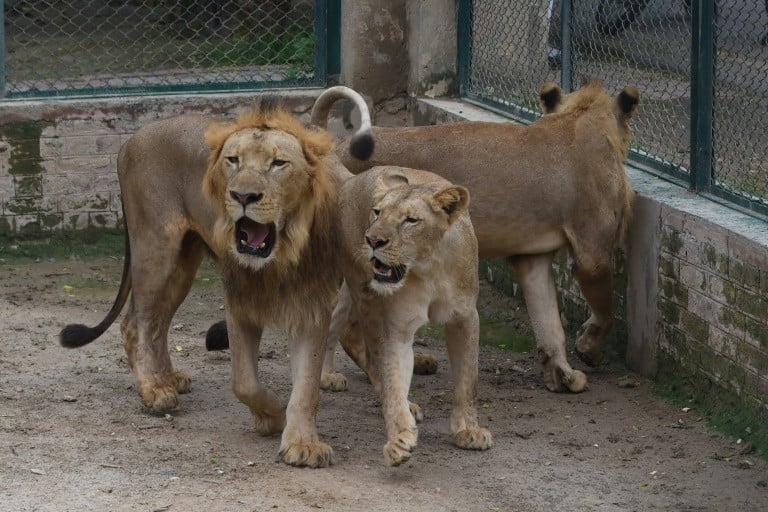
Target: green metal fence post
702, 95
566, 55
321, 40
464, 44
2, 48
333, 42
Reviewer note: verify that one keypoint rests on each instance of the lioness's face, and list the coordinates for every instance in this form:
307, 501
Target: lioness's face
405, 227
266, 178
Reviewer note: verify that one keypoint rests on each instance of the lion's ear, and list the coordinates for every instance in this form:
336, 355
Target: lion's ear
452, 200
217, 133
550, 96
627, 101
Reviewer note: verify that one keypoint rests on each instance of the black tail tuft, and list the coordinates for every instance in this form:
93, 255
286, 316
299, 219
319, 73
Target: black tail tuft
362, 145
217, 338
77, 335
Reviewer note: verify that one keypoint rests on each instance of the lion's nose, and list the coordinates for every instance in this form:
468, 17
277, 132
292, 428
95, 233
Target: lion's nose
375, 242
245, 199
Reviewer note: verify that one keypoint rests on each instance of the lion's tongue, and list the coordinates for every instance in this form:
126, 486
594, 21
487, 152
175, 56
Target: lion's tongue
253, 232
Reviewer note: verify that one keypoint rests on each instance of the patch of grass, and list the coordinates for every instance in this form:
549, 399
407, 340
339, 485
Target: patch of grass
723, 410
493, 332
62, 245
264, 48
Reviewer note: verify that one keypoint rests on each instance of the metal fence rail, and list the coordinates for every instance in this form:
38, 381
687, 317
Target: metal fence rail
702, 72
86, 47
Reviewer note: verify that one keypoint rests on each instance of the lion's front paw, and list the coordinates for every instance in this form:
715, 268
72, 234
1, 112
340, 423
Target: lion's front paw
311, 455
398, 450
589, 344
333, 382
181, 382
416, 412
474, 439
159, 399
424, 364
268, 424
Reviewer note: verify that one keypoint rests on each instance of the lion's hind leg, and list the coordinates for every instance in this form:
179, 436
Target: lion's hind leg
462, 340
161, 280
538, 282
596, 282
330, 379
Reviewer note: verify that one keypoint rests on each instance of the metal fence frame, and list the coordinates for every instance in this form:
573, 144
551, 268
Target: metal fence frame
327, 66
701, 176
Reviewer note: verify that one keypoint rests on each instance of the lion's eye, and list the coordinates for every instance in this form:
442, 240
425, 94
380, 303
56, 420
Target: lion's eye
412, 220
278, 163
375, 212
234, 160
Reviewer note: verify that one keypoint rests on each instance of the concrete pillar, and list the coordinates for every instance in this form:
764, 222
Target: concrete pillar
432, 48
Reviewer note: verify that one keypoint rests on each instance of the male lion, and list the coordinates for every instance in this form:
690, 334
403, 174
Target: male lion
558, 182
409, 256
259, 193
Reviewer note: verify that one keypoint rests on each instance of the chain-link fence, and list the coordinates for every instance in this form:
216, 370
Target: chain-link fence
90, 47
512, 46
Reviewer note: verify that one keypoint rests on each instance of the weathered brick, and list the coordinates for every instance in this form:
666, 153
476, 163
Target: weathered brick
669, 265
723, 342
705, 307
28, 186
103, 219
80, 145
748, 251
84, 202
77, 220
669, 312
733, 321
707, 233
671, 241
756, 333
79, 183
673, 290
752, 304
30, 205
694, 326
693, 277
92, 165
753, 359
746, 274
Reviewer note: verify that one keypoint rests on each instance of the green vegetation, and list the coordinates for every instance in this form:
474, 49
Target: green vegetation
62, 245
724, 411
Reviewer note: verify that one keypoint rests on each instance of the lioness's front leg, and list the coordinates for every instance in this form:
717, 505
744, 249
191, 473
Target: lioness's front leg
462, 335
394, 362
330, 379
300, 445
538, 282
244, 340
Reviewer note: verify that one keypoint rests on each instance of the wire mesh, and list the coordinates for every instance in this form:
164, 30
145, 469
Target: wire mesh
515, 46
56, 47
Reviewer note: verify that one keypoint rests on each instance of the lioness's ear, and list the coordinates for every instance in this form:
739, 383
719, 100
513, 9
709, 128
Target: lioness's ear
452, 200
627, 101
550, 96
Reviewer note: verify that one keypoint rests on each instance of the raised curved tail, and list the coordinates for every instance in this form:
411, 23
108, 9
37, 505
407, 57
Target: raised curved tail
77, 335
362, 143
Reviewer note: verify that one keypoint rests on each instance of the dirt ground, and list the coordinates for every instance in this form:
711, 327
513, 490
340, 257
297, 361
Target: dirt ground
75, 437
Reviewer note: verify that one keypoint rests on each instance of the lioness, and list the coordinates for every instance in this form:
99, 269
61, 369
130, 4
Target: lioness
259, 193
409, 256
558, 182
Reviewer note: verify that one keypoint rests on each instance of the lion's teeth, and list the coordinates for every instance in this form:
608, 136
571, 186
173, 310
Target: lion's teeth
389, 272
244, 241
263, 245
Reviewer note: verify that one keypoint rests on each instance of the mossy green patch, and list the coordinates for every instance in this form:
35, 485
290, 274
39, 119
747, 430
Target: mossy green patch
725, 411
24, 138
61, 245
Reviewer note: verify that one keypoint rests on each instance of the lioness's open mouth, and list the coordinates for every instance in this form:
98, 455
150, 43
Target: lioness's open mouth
386, 274
254, 238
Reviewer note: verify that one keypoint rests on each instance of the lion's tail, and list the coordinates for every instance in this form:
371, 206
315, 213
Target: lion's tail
628, 201
77, 335
362, 143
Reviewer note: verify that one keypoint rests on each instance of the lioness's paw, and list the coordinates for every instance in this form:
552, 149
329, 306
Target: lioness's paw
333, 382
181, 382
311, 455
159, 399
266, 424
424, 364
398, 451
473, 439
416, 412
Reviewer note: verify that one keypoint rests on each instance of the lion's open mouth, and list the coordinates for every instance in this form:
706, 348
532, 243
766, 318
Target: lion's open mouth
386, 274
254, 238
